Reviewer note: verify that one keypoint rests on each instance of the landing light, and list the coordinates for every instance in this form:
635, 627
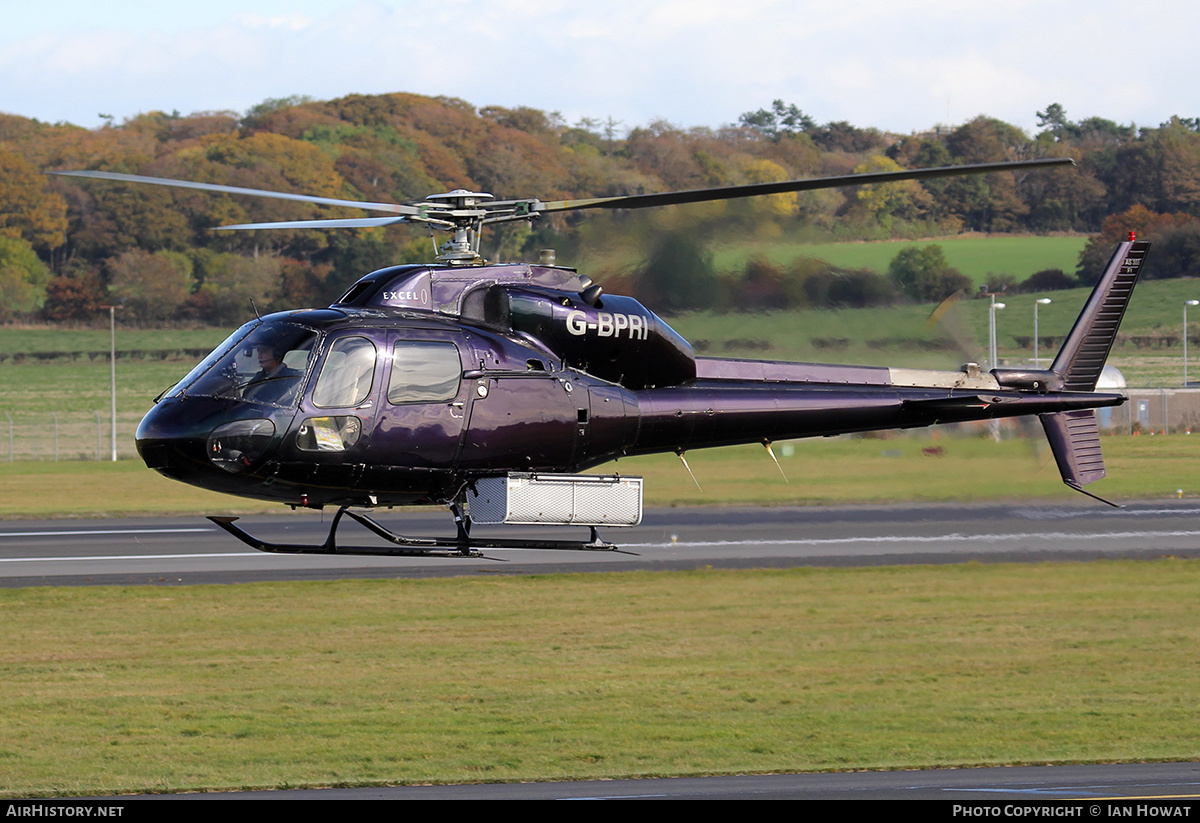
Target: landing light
237, 446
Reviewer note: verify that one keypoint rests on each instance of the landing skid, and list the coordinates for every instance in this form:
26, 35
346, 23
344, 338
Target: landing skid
463, 545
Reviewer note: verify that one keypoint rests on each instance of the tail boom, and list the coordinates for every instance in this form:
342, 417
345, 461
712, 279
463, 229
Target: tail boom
740, 401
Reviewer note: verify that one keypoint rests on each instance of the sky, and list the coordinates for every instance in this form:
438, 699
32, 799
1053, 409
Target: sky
901, 65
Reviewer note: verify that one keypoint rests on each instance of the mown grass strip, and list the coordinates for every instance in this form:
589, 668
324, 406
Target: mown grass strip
593, 676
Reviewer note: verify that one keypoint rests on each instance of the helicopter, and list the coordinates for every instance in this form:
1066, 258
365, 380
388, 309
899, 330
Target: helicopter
488, 388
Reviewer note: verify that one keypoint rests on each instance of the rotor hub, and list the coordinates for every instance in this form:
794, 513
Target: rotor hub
459, 198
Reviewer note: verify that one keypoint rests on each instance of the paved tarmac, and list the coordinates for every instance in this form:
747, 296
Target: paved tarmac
190, 550
1097, 791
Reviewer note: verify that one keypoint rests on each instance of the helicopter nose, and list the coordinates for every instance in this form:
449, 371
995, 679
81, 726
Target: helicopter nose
163, 437
192, 437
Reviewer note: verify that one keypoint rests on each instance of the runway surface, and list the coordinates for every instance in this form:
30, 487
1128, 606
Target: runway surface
190, 550
1104, 791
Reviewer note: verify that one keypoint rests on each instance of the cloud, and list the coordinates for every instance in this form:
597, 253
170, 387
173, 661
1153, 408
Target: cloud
898, 66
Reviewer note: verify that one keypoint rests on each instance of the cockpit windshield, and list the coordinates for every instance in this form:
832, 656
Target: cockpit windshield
265, 364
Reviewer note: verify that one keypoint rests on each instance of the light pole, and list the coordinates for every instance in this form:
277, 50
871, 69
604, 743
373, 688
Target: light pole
1186, 303
992, 332
112, 360
1039, 302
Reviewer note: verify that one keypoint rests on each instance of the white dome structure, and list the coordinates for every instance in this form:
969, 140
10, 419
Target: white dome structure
1110, 379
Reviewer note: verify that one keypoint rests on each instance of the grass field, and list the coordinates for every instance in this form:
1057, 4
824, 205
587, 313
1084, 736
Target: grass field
111, 690
901, 335
62, 339
975, 256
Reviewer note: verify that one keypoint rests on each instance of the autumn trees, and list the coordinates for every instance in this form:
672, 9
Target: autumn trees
32, 221
68, 246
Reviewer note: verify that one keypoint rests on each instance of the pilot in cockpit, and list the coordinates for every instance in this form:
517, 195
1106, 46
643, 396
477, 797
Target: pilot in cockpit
275, 382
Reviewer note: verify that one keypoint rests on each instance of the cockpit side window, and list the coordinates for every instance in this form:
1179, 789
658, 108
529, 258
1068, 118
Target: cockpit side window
424, 372
347, 374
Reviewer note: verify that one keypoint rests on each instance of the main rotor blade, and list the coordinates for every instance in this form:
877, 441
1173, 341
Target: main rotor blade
346, 223
394, 208
642, 201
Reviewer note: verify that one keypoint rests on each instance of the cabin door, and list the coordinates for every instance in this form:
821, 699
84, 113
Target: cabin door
421, 402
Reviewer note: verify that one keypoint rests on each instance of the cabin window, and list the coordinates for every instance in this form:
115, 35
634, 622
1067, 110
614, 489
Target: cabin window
347, 374
424, 372
328, 434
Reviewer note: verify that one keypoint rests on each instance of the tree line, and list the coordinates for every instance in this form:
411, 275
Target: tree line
68, 247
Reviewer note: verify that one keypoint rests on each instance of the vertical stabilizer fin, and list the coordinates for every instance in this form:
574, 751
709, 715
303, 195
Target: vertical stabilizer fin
1086, 348
1075, 441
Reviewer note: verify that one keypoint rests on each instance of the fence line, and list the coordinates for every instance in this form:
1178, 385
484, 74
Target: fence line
66, 436
1161, 411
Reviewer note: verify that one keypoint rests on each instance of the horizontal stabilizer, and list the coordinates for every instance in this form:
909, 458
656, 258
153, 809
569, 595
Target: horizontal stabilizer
1082, 357
1075, 440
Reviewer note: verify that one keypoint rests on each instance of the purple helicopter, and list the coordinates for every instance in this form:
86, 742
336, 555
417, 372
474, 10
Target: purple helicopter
487, 388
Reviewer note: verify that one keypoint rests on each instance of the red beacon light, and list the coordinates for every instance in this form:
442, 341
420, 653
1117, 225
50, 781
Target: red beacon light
1132, 238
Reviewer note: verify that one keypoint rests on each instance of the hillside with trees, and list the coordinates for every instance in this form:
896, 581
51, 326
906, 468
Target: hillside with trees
69, 246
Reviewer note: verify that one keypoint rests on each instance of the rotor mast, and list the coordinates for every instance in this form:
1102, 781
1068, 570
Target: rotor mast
458, 211
465, 213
